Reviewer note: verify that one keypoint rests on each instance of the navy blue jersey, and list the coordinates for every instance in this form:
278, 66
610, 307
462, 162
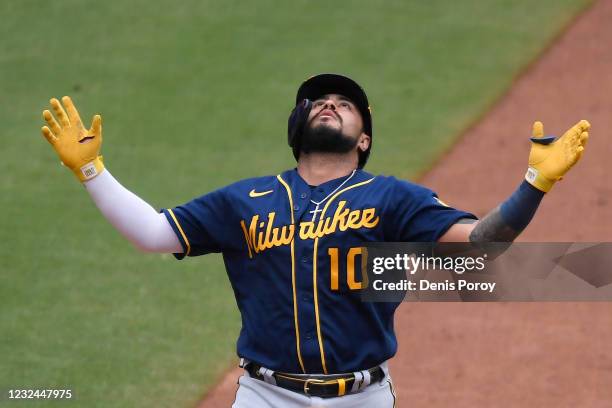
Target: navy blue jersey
293, 256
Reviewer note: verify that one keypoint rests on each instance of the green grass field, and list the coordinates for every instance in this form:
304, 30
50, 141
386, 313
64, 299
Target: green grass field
195, 95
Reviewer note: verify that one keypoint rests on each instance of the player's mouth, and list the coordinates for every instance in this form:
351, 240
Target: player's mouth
329, 114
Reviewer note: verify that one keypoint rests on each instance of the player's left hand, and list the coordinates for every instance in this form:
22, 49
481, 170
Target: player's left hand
550, 158
78, 148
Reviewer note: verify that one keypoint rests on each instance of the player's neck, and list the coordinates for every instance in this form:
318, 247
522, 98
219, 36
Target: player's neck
318, 168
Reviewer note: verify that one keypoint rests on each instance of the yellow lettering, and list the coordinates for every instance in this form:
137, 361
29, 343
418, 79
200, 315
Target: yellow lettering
275, 235
253, 232
353, 219
333, 254
328, 230
287, 234
246, 237
306, 229
260, 245
268, 242
350, 268
340, 216
368, 219
261, 235
319, 232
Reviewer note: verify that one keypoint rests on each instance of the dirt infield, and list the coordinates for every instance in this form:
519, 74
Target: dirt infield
519, 354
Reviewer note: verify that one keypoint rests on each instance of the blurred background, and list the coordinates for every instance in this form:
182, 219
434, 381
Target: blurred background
195, 95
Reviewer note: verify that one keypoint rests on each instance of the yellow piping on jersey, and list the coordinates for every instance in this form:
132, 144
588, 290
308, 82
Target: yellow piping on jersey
314, 273
295, 316
181, 231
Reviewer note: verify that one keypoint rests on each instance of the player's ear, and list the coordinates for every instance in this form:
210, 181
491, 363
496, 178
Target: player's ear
364, 142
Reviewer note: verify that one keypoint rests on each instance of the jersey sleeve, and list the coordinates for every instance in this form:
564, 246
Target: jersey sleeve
418, 215
201, 224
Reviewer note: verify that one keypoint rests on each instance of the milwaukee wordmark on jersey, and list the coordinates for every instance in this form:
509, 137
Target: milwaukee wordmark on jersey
262, 235
292, 253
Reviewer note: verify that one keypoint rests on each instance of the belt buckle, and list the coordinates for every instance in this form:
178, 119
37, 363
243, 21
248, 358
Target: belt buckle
311, 380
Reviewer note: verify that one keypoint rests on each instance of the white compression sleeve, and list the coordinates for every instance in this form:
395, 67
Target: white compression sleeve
136, 220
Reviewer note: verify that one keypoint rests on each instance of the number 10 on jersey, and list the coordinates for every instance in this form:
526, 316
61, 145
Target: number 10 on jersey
334, 255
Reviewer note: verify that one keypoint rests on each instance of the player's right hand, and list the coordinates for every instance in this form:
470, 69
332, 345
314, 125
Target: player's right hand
78, 148
550, 158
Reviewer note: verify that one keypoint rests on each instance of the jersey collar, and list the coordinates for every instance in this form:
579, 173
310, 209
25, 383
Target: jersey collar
299, 186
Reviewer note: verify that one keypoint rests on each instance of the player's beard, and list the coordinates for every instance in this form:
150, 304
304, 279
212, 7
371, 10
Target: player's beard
325, 139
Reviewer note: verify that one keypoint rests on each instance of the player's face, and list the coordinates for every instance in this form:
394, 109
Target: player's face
334, 125
337, 112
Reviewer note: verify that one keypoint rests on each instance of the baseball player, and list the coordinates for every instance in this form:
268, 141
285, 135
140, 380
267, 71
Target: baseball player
292, 242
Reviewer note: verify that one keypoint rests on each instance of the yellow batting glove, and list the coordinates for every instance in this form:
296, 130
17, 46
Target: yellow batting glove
550, 158
77, 147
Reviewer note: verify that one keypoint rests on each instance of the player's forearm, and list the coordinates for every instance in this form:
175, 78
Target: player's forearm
136, 220
493, 228
510, 218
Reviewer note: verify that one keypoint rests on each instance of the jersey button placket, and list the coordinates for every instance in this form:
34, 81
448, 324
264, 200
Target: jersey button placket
304, 263
306, 314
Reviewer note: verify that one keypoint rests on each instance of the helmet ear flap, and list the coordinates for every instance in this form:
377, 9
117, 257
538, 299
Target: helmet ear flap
297, 124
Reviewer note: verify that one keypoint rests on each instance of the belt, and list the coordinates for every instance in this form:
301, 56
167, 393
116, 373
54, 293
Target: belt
323, 386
